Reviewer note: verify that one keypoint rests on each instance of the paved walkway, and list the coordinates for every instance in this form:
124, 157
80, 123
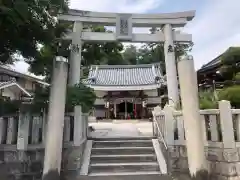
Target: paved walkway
121, 129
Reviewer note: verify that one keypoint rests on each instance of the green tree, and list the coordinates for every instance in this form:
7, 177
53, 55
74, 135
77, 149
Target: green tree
144, 55
207, 100
153, 53
77, 95
25, 25
230, 63
130, 54
231, 94
103, 52
92, 53
80, 95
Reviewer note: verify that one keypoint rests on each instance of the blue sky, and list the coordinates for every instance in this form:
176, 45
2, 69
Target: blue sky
215, 27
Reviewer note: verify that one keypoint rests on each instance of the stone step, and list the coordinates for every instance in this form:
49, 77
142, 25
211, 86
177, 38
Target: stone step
126, 176
123, 143
126, 173
123, 167
116, 158
122, 150
121, 138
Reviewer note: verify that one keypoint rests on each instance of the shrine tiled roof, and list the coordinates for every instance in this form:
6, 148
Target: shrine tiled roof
125, 75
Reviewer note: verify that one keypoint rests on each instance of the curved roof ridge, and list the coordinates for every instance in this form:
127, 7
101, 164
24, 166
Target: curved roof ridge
125, 66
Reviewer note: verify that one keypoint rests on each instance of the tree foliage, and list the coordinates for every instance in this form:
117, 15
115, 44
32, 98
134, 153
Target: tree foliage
92, 53
80, 95
231, 94
230, 63
25, 24
144, 55
9, 107
180, 48
207, 100
77, 95
153, 53
130, 54
102, 52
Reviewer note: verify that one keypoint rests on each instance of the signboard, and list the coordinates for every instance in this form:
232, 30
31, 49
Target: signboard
124, 27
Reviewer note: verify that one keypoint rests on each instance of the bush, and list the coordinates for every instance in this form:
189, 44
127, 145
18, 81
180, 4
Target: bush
9, 107
80, 95
231, 94
237, 77
208, 100
77, 95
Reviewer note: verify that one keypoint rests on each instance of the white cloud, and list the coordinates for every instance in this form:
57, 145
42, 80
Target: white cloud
21, 66
215, 29
124, 6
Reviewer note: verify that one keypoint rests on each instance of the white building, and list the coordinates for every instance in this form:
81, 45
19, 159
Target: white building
15, 85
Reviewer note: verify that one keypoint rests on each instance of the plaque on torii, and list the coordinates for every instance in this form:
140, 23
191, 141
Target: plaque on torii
124, 27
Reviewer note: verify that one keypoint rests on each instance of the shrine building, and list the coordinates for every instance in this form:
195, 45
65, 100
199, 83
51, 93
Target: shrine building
126, 91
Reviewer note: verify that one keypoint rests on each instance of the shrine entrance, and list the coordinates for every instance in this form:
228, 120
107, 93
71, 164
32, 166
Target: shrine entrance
125, 110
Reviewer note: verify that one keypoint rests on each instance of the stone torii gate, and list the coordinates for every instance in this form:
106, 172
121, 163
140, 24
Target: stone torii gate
124, 24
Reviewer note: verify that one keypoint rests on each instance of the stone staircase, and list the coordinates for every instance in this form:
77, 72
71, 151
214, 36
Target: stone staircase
122, 158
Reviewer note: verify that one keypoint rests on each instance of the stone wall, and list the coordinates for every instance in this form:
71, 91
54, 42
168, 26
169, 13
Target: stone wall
221, 138
22, 139
223, 164
28, 165
72, 161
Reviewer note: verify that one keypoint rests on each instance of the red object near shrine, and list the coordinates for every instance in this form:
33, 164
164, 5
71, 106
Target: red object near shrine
135, 111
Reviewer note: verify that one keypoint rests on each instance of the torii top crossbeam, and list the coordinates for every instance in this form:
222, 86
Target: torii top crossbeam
178, 19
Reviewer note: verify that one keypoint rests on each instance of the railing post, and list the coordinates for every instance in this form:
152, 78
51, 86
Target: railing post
11, 130
181, 131
3, 129
78, 126
23, 131
156, 113
67, 129
44, 126
226, 121
36, 125
213, 127
169, 124
204, 129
